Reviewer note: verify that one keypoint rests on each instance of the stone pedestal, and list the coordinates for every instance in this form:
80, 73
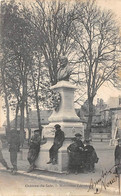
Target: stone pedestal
70, 124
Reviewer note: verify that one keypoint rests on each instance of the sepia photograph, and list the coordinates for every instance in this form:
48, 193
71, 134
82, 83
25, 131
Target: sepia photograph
60, 97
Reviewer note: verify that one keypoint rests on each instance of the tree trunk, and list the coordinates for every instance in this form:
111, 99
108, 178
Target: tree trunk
22, 115
22, 124
28, 120
89, 122
16, 118
6, 103
38, 115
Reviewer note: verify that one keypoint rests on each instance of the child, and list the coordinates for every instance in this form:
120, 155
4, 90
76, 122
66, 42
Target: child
34, 149
90, 157
118, 157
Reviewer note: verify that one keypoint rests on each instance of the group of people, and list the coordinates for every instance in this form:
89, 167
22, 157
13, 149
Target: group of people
14, 148
81, 155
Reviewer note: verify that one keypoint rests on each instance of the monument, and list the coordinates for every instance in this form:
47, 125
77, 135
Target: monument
116, 127
70, 124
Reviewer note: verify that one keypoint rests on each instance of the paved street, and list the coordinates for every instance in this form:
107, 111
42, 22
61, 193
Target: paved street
58, 182
26, 186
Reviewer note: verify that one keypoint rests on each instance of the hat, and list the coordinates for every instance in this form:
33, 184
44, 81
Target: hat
57, 126
78, 135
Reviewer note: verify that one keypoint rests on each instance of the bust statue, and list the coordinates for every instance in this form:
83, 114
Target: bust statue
64, 70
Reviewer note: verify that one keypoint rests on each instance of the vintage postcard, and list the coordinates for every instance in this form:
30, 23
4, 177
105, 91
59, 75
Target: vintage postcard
60, 97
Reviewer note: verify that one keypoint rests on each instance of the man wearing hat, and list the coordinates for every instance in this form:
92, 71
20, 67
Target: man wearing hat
58, 142
14, 148
79, 141
118, 157
34, 149
74, 163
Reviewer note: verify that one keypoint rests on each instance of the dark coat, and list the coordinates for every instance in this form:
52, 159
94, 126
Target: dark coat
117, 152
90, 154
80, 143
35, 143
34, 148
118, 159
14, 142
76, 155
59, 138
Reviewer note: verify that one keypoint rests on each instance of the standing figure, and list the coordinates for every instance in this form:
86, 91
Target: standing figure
14, 148
58, 142
2, 160
118, 157
90, 157
34, 149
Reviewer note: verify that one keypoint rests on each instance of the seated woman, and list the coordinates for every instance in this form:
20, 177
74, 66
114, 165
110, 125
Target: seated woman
90, 157
75, 157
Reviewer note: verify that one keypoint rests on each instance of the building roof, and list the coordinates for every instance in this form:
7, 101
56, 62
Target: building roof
44, 115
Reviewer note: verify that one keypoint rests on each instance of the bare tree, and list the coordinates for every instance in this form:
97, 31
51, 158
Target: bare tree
52, 23
15, 35
98, 42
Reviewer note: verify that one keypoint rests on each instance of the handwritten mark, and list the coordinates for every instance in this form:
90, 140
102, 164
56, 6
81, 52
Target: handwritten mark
102, 181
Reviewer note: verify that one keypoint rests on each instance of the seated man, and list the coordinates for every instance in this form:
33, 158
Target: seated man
75, 156
58, 142
79, 140
34, 149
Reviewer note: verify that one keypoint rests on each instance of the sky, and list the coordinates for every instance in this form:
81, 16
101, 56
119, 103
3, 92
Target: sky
115, 6
104, 92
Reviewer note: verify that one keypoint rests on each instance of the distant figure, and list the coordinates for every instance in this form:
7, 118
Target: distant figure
58, 142
90, 157
14, 148
64, 69
2, 160
75, 157
34, 149
118, 157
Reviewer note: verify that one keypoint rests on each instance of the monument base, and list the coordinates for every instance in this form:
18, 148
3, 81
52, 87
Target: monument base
70, 124
43, 158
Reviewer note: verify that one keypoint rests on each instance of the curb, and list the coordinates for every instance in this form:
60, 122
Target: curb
55, 179
73, 183
66, 182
